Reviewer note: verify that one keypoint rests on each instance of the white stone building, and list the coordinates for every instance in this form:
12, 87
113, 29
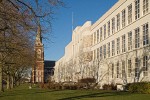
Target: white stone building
115, 49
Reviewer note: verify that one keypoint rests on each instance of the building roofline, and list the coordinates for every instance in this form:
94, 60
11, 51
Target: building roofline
108, 13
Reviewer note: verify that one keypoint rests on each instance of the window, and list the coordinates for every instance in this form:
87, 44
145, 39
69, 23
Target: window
108, 49
137, 9
118, 45
113, 25
97, 53
123, 69
104, 31
37, 79
129, 68
112, 70
123, 43
129, 13
117, 69
94, 37
37, 72
118, 22
145, 7
137, 67
137, 37
101, 34
40, 80
145, 34
123, 18
101, 52
113, 48
108, 28
130, 41
93, 55
97, 36
145, 66
104, 47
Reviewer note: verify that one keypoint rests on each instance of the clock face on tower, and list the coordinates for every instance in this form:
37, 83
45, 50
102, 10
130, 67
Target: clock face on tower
39, 53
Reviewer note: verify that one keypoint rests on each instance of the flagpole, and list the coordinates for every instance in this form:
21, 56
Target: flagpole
72, 22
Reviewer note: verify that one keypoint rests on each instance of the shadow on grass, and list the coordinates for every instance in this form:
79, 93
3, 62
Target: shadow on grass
95, 95
25, 92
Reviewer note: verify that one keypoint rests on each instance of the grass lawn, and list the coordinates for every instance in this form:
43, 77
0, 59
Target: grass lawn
24, 93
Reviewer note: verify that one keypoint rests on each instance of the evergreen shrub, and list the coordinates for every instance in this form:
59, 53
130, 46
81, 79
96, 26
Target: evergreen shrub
139, 87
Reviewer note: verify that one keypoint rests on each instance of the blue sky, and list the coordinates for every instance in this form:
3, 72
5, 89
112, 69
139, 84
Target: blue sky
83, 10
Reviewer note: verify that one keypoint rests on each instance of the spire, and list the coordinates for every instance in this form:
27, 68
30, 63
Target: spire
38, 36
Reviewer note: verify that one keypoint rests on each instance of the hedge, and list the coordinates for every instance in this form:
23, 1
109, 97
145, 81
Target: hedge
109, 87
139, 87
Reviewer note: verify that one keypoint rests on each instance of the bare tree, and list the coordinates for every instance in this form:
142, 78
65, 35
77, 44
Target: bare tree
18, 21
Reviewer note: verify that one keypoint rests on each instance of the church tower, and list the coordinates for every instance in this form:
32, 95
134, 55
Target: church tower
38, 68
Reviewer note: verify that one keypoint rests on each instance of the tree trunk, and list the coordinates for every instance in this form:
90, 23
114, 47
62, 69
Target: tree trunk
1, 78
12, 82
8, 81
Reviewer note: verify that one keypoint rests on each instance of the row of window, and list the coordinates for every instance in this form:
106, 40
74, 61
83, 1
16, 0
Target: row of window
123, 72
100, 34
135, 42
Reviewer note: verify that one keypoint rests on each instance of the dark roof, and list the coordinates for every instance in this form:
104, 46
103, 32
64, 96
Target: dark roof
49, 63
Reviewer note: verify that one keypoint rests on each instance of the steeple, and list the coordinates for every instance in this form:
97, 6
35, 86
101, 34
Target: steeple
38, 68
38, 36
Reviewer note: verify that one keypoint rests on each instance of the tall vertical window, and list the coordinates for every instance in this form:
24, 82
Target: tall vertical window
117, 69
123, 43
104, 47
118, 22
129, 68
113, 48
145, 66
113, 25
129, 13
95, 56
137, 37
94, 37
145, 34
101, 34
97, 53
108, 49
123, 69
112, 70
137, 9
137, 67
104, 31
118, 45
130, 41
101, 52
123, 18
145, 7
97, 36
108, 28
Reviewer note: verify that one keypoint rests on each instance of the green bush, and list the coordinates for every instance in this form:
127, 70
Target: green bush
88, 82
51, 85
109, 87
140, 87
69, 87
